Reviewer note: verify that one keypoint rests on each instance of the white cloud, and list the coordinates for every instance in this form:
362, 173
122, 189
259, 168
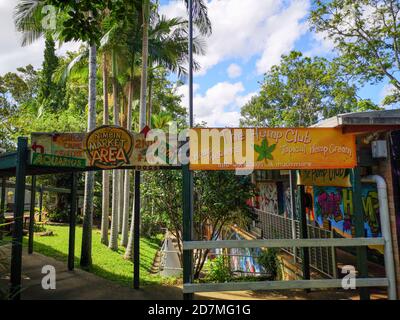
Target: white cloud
245, 29
12, 55
234, 71
219, 106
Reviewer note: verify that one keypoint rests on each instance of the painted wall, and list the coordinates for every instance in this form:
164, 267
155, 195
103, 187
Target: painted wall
335, 205
268, 197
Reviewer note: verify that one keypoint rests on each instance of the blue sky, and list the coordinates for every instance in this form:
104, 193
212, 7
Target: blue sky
249, 36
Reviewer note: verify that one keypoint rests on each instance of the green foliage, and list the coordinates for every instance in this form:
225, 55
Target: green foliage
366, 35
268, 259
50, 94
219, 270
300, 91
219, 200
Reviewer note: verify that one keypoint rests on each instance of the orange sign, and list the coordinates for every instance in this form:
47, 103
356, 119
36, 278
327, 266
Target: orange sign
109, 147
270, 148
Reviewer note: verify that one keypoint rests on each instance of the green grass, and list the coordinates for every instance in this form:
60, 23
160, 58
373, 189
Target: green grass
107, 264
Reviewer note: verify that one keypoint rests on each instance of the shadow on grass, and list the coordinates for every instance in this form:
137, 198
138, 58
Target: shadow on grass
145, 277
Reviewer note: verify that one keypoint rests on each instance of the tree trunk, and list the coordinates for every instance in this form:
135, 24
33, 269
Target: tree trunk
142, 108
125, 221
86, 252
150, 102
113, 245
145, 57
106, 174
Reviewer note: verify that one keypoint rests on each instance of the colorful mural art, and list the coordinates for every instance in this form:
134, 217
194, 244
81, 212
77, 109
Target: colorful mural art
334, 206
268, 197
244, 259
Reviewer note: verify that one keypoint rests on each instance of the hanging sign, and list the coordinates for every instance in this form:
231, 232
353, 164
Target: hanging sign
271, 149
50, 160
109, 147
327, 178
106, 147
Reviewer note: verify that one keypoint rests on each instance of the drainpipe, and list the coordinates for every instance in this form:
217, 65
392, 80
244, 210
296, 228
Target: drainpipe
386, 232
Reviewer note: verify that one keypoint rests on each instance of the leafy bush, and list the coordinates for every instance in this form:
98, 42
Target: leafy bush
268, 259
219, 270
58, 216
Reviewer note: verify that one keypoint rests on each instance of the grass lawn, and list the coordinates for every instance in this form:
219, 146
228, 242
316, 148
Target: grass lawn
106, 263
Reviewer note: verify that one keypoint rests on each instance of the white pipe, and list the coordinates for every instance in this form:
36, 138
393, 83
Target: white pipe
386, 231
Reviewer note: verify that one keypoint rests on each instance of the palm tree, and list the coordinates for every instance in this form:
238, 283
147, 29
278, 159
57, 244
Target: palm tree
113, 245
86, 251
203, 23
106, 175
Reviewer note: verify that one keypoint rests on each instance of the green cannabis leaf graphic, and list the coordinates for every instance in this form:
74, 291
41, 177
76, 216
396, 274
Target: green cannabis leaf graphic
264, 150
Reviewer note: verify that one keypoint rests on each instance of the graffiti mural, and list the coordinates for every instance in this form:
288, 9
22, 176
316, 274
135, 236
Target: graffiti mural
244, 259
268, 199
334, 206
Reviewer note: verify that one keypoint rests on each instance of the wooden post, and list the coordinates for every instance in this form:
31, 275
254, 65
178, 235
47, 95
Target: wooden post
362, 261
32, 215
40, 203
187, 228
16, 251
136, 232
304, 234
72, 222
2, 205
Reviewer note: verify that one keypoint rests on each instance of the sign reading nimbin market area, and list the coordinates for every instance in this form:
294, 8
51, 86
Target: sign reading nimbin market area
109, 147
271, 148
106, 147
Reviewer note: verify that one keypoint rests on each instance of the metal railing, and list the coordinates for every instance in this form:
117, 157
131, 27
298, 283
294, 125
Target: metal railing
274, 226
292, 284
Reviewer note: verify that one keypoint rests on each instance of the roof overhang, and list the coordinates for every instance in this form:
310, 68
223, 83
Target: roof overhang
363, 122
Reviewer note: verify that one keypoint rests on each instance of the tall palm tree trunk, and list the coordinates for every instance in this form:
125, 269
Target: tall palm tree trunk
125, 221
142, 108
106, 174
86, 251
113, 245
150, 112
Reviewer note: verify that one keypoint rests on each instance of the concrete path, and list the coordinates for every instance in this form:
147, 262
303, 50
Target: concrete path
81, 285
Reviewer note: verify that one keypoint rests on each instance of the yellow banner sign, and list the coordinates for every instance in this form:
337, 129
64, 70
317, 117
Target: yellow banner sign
327, 178
270, 148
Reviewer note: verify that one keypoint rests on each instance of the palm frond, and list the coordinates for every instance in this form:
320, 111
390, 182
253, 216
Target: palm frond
28, 20
200, 16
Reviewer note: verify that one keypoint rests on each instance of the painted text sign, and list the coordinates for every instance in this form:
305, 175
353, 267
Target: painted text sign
270, 148
332, 177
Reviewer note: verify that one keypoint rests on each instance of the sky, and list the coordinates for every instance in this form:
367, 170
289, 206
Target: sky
248, 38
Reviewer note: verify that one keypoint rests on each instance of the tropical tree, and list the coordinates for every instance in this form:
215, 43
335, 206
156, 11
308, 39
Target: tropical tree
300, 91
204, 25
366, 35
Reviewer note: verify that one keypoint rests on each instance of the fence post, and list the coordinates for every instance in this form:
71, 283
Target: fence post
32, 215
293, 182
72, 222
136, 232
362, 260
304, 234
2, 205
40, 203
16, 250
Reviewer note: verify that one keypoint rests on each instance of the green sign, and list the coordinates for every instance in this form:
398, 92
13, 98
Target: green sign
50, 160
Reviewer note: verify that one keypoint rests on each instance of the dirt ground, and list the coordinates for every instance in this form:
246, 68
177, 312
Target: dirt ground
81, 285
